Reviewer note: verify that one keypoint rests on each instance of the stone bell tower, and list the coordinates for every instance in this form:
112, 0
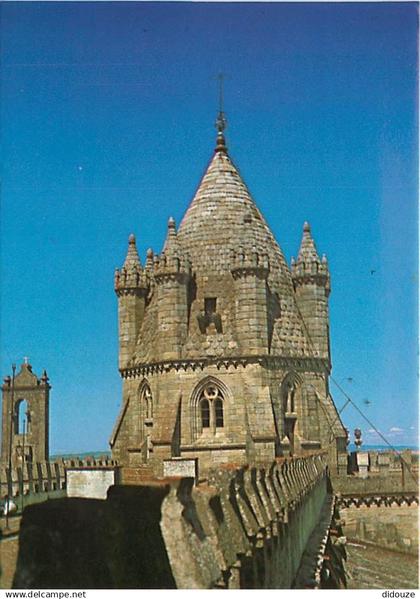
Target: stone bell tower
25, 417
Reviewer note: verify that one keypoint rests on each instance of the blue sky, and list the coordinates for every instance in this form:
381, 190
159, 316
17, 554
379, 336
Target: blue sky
107, 114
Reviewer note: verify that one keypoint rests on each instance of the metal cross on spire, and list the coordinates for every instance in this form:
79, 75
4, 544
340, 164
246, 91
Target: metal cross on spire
221, 121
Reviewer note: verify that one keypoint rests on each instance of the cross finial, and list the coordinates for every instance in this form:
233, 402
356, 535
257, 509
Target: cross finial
26, 359
220, 77
221, 121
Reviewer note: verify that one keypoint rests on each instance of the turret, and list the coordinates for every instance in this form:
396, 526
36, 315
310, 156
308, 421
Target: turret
311, 280
131, 285
250, 268
171, 275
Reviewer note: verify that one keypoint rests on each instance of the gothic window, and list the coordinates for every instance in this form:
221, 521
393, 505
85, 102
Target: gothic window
147, 402
218, 412
146, 421
211, 408
205, 413
290, 399
289, 391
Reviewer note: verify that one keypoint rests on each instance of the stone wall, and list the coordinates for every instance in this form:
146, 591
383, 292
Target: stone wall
90, 483
244, 528
370, 472
393, 527
43, 477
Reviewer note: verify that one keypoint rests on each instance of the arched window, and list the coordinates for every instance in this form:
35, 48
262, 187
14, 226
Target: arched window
290, 402
146, 420
210, 414
218, 412
205, 413
289, 390
147, 401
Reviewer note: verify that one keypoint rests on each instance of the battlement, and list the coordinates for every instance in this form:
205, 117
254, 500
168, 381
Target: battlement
245, 261
310, 269
41, 477
377, 472
172, 266
272, 527
131, 279
134, 280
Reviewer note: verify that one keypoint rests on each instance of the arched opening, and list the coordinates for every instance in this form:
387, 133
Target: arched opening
146, 420
218, 412
289, 398
208, 404
22, 417
205, 413
148, 403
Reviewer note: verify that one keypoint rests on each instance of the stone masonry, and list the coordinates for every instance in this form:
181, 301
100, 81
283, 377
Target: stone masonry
224, 348
28, 444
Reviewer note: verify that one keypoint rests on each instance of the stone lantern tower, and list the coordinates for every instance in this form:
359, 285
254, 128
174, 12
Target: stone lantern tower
224, 349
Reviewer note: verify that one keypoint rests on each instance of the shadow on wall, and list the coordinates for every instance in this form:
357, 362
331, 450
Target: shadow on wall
71, 543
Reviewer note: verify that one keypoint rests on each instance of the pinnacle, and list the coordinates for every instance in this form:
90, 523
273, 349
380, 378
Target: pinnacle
171, 245
149, 259
132, 259
171, 224
307, 253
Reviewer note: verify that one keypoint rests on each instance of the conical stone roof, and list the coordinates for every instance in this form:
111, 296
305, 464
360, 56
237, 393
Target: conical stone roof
132, 260
223, 217
307, 252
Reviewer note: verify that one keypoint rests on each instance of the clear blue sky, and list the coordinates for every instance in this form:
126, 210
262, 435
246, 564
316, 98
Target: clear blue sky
107, 113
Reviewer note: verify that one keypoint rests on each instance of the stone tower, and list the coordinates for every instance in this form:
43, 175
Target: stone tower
224, 349
26, 411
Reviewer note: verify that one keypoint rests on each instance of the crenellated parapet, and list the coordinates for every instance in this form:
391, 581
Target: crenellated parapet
33, 478
249, 262
171, 268
311, 272
132, 282
309, 268
250, 516
173, 264
242, 528
131, 279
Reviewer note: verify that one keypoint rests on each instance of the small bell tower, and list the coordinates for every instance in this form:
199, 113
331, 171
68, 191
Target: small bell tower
25, 417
